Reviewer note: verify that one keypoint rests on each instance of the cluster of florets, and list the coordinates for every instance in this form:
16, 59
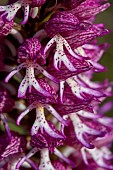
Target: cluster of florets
59, 61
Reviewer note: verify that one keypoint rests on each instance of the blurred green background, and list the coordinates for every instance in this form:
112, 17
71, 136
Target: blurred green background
106, 17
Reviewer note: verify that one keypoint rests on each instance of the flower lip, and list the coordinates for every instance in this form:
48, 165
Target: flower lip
43, 140
64, 73
82, 132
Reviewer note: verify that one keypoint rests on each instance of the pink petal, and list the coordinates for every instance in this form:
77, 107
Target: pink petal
23, 88
36, 85
26, 14
49, 44
18, 68
61, 90
50, 131
24, 113
45, 73
56, 114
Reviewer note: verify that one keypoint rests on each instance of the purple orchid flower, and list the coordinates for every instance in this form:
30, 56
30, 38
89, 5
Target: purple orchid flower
101, 156
86, 130
62, 55
40, 103
62, 19
9, 11
63, 73
12, 150
43, 140
65, 28
27, 53
45, 162
60, 61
